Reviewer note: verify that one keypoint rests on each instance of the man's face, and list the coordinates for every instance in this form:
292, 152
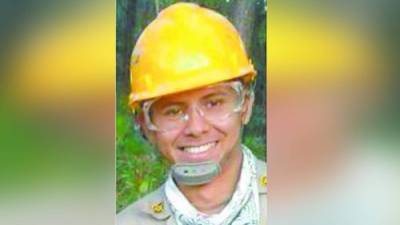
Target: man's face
204, 134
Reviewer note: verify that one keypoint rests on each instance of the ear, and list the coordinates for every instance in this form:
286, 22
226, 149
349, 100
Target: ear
247, 108
145, 132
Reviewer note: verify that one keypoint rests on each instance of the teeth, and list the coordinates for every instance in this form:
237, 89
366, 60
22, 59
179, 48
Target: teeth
199, 149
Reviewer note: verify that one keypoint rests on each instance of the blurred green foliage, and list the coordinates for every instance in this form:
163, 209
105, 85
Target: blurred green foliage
140, 168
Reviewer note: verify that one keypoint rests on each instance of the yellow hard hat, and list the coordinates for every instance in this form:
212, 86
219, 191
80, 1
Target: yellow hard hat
186, 47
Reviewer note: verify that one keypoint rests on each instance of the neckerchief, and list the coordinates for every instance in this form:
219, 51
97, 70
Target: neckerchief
242, 208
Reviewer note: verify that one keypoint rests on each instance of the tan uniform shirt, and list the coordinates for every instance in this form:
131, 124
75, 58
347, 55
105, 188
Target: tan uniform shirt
153, 209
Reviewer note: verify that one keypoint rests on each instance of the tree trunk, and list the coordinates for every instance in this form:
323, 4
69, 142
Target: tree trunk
242, 15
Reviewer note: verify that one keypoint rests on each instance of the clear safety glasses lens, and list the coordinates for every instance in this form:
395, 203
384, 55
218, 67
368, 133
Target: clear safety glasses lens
215, 103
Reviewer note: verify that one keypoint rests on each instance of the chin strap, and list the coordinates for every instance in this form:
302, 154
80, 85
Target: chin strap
195, 173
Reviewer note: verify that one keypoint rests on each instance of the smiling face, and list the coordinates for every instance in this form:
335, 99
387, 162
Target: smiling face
203, 131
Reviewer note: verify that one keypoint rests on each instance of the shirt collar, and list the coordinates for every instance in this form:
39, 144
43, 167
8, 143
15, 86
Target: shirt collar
158, 208
261, 168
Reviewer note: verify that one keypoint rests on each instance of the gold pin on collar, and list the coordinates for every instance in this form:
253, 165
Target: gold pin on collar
264, 180
158, 207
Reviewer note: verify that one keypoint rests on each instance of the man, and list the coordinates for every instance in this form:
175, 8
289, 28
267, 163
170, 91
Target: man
192, 93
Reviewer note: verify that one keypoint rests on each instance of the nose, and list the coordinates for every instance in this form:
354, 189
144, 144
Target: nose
196, 124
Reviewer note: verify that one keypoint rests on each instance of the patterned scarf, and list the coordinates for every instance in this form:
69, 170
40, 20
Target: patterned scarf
243, 207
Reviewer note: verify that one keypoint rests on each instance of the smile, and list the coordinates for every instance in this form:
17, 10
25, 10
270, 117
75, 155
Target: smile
199, 149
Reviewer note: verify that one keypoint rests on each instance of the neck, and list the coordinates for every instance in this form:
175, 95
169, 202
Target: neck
211, 198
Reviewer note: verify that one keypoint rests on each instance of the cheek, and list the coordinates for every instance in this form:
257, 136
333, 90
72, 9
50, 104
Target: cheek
230, 128
165, 144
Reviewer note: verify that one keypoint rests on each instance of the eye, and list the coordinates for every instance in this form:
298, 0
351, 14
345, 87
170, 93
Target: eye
215, 102
172, 111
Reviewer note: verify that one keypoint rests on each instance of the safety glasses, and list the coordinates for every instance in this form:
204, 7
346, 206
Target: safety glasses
215, 103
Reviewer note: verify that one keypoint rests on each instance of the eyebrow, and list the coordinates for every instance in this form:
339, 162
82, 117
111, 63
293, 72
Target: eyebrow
166, 103
220, 92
